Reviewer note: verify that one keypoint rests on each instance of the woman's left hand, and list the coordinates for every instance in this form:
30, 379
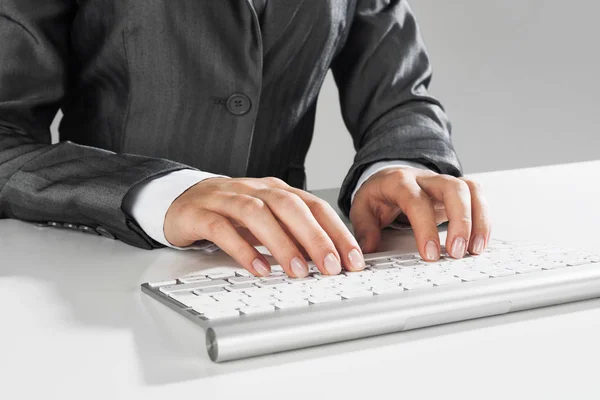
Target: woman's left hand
426, 199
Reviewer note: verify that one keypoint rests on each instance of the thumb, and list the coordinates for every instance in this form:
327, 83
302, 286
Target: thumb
366, 227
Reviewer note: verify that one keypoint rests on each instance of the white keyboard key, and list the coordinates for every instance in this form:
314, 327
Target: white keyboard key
192, 279
526, 269
233, 304
282, 305
414, 263
388, 289
292, 295
553, 265
355, 287
217, 314
324, 299
329, 277
243, 273
191, 286
272, 283
257, 309
574, 263
240, 287
221, 275
273, 277
472, 276
200, 300
260, 292
442, 280
277, 268
162, 283
500, 272
213, 290
357, 294
357, 274
380, 268
418, 285
186, 298
302, 280
292, 289
243, 279
224, 296
258, 301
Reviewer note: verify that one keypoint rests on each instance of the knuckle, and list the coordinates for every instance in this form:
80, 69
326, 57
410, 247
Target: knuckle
250, 206
344, 237
401, 178
454, 184
285, 199
412, 206
474, 186
409, 194
317, 205
242, 251
319, 240
273, 181
216, 226
445, 179
399, 173
466, 221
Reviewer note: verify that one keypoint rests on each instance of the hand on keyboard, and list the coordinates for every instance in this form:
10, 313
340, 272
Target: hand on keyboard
237, 213
425, 199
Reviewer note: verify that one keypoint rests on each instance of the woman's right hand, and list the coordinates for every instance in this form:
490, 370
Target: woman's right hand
235, 213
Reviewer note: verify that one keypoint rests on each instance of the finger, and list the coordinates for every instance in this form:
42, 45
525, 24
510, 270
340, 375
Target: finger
455, 195
294, 213
332, 224
418, 208
366, 225
220, 231
258, 218
250, 238
481, 229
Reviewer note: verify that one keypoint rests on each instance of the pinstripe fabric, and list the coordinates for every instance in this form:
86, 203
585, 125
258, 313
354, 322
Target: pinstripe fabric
147, 81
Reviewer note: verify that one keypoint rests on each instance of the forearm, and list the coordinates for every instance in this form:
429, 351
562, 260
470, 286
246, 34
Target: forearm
72, 183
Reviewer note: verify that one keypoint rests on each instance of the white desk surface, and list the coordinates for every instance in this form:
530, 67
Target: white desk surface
75, 325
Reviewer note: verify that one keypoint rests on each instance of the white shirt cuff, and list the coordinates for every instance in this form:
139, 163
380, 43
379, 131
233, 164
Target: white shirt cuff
148, 203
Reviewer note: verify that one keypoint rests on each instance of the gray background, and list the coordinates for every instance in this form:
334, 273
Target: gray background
517, 77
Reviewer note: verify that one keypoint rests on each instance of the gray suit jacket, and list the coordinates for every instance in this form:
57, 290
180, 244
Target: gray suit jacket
152, 86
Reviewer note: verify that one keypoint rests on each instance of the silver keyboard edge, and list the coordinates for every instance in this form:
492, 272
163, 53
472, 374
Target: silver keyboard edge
252, 335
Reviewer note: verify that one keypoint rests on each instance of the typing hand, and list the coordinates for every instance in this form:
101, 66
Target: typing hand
425, 199
237, 213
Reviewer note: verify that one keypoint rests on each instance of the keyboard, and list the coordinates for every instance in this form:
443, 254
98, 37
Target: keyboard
237, 298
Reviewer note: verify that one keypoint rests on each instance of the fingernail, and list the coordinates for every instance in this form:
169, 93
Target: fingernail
478, 244
356, 260
458, 247
432, 251
299, 269
332, 265
261, 267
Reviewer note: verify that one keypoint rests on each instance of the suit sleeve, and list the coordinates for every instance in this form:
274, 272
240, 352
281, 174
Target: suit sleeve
64, 182
382, 73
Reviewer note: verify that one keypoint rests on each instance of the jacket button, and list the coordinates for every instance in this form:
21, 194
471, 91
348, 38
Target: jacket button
238, 104
87, 229
104, 232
